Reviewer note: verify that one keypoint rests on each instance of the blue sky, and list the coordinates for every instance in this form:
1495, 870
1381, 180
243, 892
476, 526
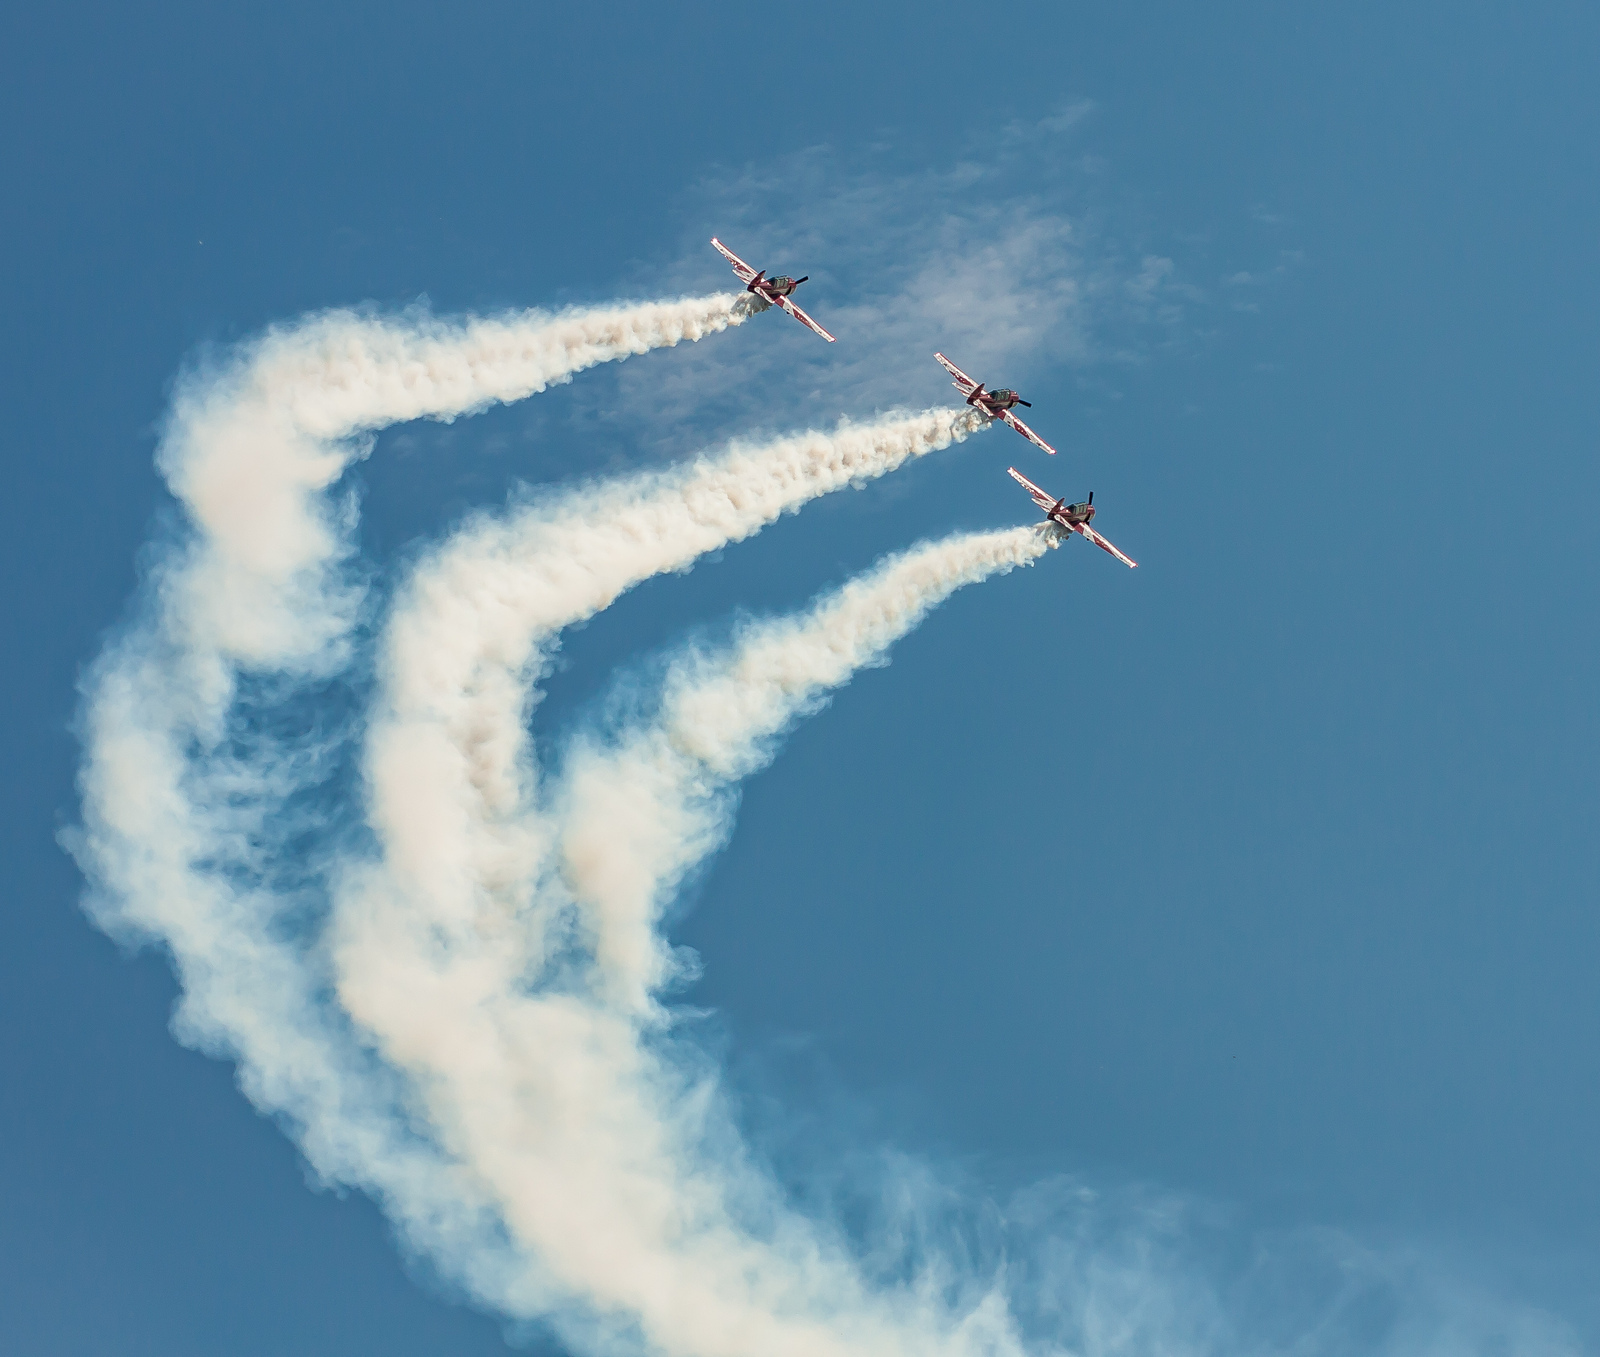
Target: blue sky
1251, 891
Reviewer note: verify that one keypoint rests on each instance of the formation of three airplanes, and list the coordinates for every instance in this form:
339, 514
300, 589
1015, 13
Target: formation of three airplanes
779, 291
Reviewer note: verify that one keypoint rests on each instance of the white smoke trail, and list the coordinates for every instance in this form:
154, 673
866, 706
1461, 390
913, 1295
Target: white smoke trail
451, 774
249, 450
614, 1172
451, 779
639, 814
183, 800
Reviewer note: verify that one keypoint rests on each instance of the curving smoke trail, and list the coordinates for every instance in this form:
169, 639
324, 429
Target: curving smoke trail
250, 449
459, 900
529, 1026
640, 812
451, 775
187, 794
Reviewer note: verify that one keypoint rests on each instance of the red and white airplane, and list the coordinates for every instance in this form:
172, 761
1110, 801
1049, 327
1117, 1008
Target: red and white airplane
775, 290
995, 404
1072, 517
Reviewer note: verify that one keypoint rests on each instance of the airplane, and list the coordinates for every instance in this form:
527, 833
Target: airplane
1072, 517
775, 291
995, 404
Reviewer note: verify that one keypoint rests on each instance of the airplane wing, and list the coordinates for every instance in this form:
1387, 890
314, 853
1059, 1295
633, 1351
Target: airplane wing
804, 319
964, 384
1025, 431
745, 272
1104, 545
1044, 501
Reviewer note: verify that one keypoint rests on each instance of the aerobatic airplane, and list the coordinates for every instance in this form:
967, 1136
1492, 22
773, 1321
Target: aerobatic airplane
775, 291
995, 404
1072, 517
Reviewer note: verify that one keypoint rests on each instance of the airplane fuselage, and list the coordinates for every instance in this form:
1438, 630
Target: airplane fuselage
993, 402
772, 288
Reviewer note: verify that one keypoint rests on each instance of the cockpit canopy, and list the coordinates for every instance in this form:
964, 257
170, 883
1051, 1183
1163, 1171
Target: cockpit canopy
781, 281
1004, 395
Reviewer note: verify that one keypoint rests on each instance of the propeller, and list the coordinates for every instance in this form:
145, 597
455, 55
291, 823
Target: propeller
1091, 497
798, 281
1020, 401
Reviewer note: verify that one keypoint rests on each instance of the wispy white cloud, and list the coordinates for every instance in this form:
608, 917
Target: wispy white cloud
1265, 275
1000, 257
1129, 1270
